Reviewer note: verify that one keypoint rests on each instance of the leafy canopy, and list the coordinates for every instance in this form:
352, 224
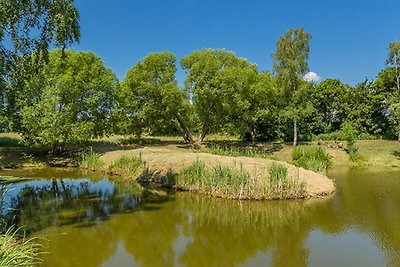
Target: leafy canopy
68, 101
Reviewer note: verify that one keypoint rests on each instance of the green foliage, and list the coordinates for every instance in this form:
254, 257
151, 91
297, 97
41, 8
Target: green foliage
251, 98
127, 167
16, 250
225, 150
290, 59
290, 64
281, 186
69, 101
92, 161
312, 158
28, 26
204, 82
363, 108
327, 98
350, 135
236, 183
150, 100
337, 135
9, 142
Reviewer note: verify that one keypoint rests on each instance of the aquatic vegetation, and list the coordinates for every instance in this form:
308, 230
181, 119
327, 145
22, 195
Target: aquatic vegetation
312, 158
236, 183
92, 161
16, 250
126, 166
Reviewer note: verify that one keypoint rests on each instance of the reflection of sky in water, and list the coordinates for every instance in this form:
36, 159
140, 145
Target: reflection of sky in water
103, 188
351, 248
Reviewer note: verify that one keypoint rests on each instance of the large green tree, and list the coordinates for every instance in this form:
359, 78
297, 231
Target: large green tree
150, 97
69, 100
32, 25
393, 61
251, 98
203, 83
290, 65
327, 99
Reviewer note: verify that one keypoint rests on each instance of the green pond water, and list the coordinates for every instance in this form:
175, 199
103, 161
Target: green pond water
89, 220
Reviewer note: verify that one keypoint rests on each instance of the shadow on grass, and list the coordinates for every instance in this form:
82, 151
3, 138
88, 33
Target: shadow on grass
10, 142
244, 148
396, 154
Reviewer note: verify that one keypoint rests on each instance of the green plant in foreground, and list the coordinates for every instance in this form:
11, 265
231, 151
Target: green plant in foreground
350, 136
126, 166
312, 158
18, 251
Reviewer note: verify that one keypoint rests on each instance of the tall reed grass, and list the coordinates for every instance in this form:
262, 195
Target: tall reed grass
236, 183
92, 161
16, 250
125, 166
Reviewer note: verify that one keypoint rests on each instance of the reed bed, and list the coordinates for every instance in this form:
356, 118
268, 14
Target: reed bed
236, 183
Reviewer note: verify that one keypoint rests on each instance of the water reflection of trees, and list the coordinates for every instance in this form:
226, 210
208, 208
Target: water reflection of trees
193, 230
62, 202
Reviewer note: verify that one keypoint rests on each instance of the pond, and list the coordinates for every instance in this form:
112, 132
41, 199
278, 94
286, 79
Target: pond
90, 220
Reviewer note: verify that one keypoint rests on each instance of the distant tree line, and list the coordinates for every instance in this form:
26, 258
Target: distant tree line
63, 97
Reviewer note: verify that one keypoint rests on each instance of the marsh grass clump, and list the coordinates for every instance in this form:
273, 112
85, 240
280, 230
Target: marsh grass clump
16, 250
236, 183
282, 186
221, 180
126, 166
312, 158
92, 161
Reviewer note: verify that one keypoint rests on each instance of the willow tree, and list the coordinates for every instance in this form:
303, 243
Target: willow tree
69, 100
251, 98
203, 83
150, 98
290, 65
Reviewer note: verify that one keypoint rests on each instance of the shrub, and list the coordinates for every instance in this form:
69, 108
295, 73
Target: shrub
337, 135
312, 158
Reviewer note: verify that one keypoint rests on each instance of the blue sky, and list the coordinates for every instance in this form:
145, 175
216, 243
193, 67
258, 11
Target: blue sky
349, 38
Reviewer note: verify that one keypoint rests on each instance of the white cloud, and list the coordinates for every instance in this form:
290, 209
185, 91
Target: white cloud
311, 77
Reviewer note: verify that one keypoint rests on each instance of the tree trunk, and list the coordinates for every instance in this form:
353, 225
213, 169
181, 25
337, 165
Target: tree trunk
204, 132
187, 134
253, 134
56, 149
294, 132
